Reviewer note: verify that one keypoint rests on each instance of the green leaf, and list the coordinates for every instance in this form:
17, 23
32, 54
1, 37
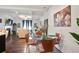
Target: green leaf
76, 36
78, 21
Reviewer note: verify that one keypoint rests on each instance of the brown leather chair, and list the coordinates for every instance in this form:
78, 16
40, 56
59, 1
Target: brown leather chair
48, 45
58, 35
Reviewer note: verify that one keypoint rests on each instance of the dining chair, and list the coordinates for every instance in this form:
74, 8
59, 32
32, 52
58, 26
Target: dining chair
47, 46
58, 35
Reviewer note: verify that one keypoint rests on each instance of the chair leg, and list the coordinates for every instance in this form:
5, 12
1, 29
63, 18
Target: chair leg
28, 49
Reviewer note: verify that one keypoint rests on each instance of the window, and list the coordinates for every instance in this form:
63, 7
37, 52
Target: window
27, 24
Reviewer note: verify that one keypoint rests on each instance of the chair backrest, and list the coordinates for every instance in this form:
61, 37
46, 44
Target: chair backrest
39, 33
58, 35
48, 45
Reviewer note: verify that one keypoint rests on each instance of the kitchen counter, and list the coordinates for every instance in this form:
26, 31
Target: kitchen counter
2, 33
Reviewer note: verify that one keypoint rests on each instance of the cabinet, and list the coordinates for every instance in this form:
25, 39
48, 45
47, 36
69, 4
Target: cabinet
2, 43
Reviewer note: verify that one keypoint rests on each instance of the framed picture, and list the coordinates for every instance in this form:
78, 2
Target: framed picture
63, 17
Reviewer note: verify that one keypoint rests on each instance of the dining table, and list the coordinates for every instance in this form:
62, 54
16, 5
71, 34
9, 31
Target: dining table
35, 41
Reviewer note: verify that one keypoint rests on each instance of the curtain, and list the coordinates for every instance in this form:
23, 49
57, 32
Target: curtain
27, 24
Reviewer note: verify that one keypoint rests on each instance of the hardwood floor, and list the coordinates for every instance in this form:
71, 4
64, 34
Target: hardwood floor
16, 45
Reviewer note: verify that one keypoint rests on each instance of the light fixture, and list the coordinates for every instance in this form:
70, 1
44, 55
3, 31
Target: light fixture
22, 16
25, 17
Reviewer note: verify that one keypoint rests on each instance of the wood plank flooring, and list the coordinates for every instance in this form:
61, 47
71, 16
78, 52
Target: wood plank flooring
16, 45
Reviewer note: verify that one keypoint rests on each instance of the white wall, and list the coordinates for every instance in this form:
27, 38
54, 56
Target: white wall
69, 44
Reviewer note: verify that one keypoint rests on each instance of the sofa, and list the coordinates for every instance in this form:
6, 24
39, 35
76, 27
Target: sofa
23, 33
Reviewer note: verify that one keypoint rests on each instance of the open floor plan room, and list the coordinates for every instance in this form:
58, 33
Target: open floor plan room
39, 28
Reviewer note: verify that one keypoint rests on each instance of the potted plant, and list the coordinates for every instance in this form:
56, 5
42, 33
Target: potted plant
43, 30
75, 35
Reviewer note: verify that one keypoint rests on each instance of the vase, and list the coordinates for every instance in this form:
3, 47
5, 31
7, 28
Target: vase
44, 36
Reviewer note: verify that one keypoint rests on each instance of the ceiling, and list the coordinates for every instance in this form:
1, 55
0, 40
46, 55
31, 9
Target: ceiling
36, 11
